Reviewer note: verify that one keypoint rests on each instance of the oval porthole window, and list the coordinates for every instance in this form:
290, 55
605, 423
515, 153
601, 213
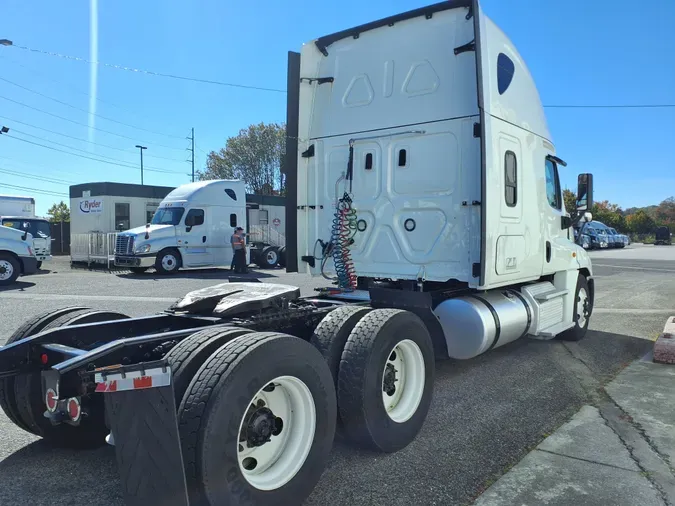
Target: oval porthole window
409, 224
361, 225
505, 71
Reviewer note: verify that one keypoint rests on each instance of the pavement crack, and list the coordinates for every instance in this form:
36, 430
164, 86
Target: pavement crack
587, 460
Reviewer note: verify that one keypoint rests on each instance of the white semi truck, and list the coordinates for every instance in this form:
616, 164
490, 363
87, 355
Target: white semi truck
424, 184
190, 229
19, 213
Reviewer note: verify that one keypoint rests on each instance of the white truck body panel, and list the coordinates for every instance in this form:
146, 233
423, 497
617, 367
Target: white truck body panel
23, 207
223, 206
431, 127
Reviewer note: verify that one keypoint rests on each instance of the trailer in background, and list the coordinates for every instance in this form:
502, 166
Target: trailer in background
11, 205
266, 229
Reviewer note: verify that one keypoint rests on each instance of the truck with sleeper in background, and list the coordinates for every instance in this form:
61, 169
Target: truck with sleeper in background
16, 255
424, 185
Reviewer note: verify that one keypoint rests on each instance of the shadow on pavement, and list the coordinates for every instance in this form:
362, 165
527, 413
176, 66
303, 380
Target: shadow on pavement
17, 286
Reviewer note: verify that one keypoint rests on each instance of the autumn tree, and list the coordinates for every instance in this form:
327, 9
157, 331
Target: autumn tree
665, 212
59, 212
570, 200
254, 156
640, 223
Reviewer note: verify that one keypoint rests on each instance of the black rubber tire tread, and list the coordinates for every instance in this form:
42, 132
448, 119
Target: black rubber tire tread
577, 333
263, 263
331, 334
29, 328
158, 261
223, 387
187, 357
16, 266
39, 265
365, 420
28, 393
282, 257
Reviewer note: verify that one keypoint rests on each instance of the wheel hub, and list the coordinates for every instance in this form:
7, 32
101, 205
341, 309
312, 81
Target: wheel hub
261, 426
389, 381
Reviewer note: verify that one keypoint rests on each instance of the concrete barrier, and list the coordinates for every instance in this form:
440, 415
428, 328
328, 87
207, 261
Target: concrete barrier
664, 347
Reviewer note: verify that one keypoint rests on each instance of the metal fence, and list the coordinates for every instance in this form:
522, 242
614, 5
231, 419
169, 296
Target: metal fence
93, 248
267, 234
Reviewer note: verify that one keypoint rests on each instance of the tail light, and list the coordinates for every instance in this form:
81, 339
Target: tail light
74, 409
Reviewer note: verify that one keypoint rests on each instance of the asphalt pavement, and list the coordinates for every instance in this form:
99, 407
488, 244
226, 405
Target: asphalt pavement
487, 413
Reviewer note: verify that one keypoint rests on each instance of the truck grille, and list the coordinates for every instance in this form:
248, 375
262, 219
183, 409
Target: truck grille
124, 245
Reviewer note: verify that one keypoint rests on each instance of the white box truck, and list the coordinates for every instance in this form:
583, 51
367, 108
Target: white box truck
11, 205
16, 255
424, 184
190, 229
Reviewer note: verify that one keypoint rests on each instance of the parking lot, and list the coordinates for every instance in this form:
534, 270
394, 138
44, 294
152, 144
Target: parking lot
487, 413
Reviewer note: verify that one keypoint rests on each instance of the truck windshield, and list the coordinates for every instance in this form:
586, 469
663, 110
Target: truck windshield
168, 216
39, 229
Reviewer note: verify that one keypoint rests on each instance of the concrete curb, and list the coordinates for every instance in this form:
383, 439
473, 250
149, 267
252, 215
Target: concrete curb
664, 347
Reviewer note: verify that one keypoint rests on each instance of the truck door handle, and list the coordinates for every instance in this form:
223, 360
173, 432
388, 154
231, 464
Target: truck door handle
548, 251
204, 238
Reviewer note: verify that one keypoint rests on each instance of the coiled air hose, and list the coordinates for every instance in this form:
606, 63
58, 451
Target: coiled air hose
343, 231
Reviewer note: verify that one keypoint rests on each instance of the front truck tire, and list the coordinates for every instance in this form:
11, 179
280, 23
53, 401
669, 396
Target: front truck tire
33, 326
386, 379
168, 261
10, 268
257, 422
581, 314
92, 430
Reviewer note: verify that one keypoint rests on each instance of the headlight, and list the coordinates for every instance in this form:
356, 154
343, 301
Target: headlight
143, 249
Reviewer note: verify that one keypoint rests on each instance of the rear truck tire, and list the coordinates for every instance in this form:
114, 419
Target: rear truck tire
386, 380
239, 441
39, 265
30, 328
168, 261
583, 308
189, 355
331, 334
92, 430
282, 257
9, 269
268, 258
138, 270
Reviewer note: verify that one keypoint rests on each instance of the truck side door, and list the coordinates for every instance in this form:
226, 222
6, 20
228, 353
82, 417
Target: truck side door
194, 239
558, 248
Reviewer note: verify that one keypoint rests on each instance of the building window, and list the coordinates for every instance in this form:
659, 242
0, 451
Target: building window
122, 216
510, 179
150, 210
505, 71
196, 216
233, 220
553, 185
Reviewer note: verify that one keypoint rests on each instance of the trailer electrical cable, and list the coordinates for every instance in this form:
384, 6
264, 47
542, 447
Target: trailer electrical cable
343, 231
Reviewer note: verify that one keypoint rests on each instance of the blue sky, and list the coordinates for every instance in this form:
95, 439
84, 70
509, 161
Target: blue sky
579, 52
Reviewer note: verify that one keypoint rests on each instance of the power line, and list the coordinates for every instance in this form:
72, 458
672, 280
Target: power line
131, 165
87, 157
37, 178
87, 141
81, 124
150, 72
72, 88
36, 190
85, 110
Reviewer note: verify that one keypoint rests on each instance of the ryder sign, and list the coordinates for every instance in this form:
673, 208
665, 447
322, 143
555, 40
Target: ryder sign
91, 206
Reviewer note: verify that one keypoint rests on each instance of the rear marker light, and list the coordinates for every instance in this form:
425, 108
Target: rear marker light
44, 359
74, 410
51, 399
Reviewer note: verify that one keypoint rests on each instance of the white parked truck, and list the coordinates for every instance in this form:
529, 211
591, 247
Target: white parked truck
16, 255
39, 229
424, 184
191, 228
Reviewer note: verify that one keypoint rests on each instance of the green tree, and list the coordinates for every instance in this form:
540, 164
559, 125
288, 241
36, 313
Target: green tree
570, 200
665, 212
640, 222
254, 156
59, 212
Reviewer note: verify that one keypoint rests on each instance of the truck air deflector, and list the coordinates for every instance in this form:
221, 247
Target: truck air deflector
322, 43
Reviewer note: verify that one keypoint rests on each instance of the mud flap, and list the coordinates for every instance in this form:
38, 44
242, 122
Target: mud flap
141, 411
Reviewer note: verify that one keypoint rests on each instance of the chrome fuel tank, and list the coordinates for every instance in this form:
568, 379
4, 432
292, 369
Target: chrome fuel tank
474, 324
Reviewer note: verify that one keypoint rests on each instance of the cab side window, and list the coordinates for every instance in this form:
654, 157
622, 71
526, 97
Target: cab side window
553, 185
196, 216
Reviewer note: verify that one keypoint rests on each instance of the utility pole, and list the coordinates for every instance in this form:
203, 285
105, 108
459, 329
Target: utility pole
192, 151
141, 149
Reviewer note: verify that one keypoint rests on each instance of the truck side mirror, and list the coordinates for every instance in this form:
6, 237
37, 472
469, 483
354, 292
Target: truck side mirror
189, 222
584, 193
